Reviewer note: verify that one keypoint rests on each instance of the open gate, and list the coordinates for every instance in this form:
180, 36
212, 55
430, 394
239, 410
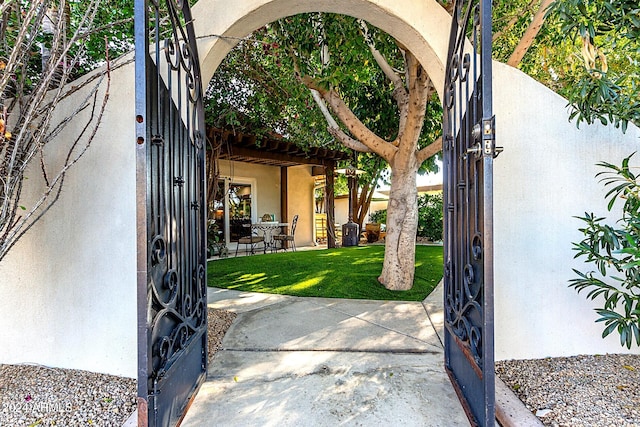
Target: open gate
171, 215
468, 151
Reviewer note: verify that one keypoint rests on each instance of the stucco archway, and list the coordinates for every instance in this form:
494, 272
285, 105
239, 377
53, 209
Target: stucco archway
423, 27
534, 219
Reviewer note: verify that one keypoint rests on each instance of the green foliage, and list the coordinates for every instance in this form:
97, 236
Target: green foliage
615, 251
379, 217
333, 273
607, 87
430, 216
256, 88
602, 84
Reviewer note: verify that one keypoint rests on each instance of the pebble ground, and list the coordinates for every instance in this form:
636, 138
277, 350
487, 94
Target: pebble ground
581, 391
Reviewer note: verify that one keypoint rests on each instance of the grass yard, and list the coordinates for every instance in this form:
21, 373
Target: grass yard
333, 273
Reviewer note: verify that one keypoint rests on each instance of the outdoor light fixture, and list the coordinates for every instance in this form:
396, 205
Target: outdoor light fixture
350, 171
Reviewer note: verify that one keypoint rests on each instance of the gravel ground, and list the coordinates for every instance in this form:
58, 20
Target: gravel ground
33, 395
219, 322
580, 391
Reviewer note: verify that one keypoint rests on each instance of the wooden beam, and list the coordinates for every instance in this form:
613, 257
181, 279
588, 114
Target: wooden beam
330, 204
269, 155
284, 194
284, 199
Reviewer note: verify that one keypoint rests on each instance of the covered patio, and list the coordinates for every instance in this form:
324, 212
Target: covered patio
254, 178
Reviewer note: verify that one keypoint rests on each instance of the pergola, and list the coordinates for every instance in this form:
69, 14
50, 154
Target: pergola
275, 151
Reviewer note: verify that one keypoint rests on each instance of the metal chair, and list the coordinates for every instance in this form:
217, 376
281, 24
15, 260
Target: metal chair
284, 238
250, 241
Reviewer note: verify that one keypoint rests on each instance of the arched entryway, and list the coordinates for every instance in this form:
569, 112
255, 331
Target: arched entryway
422, 27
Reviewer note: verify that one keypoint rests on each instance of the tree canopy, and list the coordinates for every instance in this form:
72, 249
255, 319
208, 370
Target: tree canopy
587, 51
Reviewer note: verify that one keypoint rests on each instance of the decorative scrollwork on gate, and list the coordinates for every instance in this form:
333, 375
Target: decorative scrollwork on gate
171, 170
468, 152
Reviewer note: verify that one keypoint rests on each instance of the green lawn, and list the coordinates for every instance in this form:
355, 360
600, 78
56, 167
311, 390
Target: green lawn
334, 273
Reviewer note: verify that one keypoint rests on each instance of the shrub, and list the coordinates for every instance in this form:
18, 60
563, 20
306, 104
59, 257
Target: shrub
615, 253
430, 216
379, 217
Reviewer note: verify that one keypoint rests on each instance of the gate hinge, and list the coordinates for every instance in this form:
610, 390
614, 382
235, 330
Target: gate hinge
489, 138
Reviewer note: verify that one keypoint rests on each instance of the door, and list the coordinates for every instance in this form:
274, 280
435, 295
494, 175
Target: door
468, 151
171, 217
234, 208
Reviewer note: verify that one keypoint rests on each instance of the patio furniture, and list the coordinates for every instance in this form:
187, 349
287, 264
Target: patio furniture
285, 238
250, 241
268, 229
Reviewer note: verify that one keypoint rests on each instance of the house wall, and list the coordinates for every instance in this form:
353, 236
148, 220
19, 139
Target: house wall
342, 209
302, 203
267, 193
266, 181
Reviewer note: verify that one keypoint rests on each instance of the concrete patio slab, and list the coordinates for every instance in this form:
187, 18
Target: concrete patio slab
305, 324
291, 361
326, 389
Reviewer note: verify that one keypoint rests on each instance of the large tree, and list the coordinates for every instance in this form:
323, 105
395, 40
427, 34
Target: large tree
356, 87
373, 94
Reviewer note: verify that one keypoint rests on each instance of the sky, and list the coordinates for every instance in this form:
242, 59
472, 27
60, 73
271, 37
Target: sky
426, 179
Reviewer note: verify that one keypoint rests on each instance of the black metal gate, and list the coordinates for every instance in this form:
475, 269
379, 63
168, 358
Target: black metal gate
171, 219
468, 151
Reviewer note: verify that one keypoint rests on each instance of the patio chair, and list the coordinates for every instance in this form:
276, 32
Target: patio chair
284, 238
250, 242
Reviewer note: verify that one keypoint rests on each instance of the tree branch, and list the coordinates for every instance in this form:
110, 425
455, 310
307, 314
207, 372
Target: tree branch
376, 144
420, 90
514, 19
334, 129
429, 151
530, 34
399, 89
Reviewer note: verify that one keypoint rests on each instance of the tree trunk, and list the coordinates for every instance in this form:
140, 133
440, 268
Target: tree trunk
398, 269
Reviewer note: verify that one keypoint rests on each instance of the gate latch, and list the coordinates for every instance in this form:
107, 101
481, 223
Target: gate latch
489, 138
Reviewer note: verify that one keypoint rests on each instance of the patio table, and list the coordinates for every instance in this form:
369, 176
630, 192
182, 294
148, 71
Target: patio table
268, 229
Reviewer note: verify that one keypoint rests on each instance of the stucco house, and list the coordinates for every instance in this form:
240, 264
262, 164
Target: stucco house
258, 176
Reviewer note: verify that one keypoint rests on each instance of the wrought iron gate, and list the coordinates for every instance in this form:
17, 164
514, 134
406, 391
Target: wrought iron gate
171, 219
468, 151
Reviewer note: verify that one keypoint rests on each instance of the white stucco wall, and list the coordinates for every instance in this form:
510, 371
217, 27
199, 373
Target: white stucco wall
302, 203
544, 177
68, 287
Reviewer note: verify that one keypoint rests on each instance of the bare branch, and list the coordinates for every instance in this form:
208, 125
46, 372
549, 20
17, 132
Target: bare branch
530, 34
27, 110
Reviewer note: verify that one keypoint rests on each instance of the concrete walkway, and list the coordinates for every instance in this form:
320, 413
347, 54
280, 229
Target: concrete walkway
289, 361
